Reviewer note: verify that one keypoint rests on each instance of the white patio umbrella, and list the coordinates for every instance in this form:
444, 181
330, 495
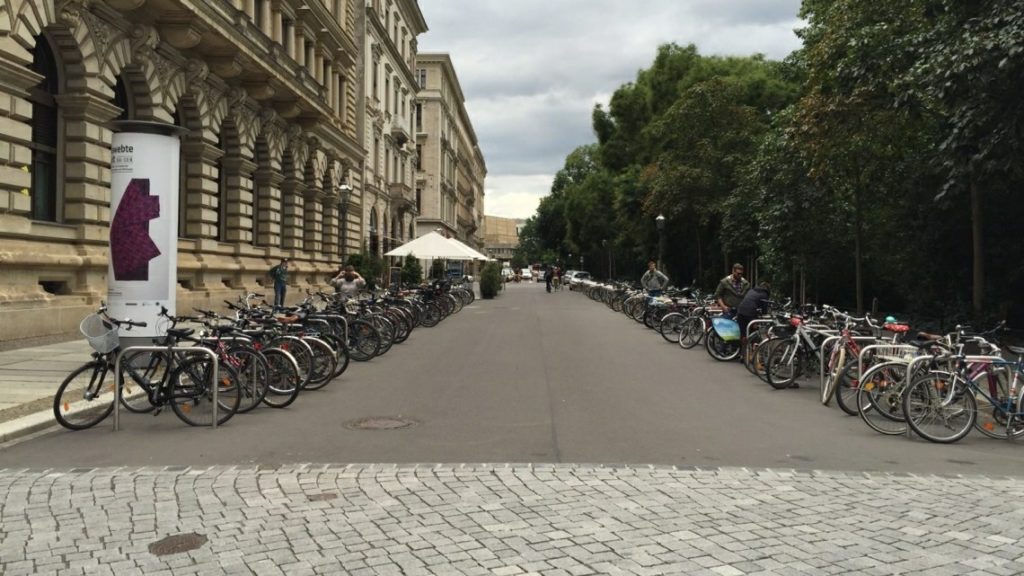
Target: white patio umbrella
465, 248
431, 245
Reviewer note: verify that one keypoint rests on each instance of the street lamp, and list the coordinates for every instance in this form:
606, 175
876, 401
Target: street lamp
660, 220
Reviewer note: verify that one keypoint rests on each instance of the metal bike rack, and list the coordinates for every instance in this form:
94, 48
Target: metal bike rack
824, 345
170, 350
757, 322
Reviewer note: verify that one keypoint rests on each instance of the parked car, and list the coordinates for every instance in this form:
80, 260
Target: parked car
577, 279
527, 274
507, 274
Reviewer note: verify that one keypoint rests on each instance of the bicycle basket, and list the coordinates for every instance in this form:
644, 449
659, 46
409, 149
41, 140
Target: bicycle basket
102, 335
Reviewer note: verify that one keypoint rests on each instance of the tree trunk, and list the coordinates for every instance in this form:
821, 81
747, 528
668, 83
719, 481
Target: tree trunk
978, 257
857, 241
700, 256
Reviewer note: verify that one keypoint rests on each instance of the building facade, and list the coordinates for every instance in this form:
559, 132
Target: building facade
450, 166
267, 90
388, 211
501, 237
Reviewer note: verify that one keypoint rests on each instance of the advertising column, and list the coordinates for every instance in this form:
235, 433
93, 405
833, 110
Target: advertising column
143, 263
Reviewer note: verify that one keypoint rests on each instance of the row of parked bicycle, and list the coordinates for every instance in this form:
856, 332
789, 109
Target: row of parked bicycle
941, 386
213, 365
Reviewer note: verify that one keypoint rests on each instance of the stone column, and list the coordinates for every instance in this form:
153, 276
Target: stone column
239, 200
201, 176
86, 157
268, 186
278, 24
268, 22
313, 220
330, 227
250, 9
328, 82
292, 213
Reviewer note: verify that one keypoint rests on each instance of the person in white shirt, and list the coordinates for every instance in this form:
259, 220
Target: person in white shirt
348, 282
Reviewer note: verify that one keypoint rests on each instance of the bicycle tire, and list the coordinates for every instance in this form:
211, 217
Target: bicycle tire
82, 403
719, 349
880, 398
253, 375
670, 326
992, 418
837, 360
432, 315
324, 363
141, 373
284, 382
340, 353
940, 408
783, 364
192, 392
363, 341
692, 332
846, 390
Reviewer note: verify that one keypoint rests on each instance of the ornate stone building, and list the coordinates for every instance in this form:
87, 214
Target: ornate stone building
501, 237
450, 166
268, 91
387, 108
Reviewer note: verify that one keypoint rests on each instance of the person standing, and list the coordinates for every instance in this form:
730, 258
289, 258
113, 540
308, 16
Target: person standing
548, 275
279, 274
731, 289
348, 282
654, 281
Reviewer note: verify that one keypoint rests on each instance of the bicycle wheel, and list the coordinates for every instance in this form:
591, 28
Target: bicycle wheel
996, 409
253, 375
284, 380
692, 332
940, 408
880, 398
837, 360
340, 353
301, 352
85, 397
432, 315
671, 326
387, 333
719, 349
846, 391
141, 372
363, 340
192, 386
324, 362
784, 364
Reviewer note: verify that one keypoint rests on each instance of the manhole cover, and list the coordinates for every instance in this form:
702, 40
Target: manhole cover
177, 544
322, 497
381, 423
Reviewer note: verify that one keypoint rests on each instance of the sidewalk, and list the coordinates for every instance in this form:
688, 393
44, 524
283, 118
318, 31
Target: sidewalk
29, 378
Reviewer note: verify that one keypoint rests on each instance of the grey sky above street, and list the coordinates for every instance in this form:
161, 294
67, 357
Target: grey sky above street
532, 70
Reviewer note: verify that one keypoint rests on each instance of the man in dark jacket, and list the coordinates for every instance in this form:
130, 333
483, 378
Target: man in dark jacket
548, 274
754, 303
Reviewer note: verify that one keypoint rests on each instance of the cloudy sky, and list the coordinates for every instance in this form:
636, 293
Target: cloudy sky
532, 70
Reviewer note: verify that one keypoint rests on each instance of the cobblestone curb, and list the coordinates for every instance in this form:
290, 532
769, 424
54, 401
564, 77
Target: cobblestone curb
507, 520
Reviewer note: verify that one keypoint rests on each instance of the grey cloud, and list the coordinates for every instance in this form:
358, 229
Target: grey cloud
530, 69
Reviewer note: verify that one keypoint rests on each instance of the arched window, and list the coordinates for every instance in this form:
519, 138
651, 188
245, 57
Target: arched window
45, 131
182, 182
123, 100
374, 238
259, 180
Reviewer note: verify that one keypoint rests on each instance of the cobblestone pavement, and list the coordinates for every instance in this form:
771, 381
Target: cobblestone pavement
507, 520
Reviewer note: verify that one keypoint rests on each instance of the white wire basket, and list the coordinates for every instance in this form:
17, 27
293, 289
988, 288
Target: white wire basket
101, 334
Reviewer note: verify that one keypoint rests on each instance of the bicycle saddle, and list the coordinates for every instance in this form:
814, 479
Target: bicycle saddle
1019, 350
180, 332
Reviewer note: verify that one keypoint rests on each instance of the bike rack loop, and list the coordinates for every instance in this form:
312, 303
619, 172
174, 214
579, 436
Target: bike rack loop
757, 322
169, 350
824, 345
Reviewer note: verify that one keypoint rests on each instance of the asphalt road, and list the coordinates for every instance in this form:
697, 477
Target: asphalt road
532, 377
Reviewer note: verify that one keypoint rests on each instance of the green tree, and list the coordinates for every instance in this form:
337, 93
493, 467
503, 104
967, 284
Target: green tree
412, 272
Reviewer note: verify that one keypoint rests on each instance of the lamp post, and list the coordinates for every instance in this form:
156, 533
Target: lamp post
660, 220
344, 196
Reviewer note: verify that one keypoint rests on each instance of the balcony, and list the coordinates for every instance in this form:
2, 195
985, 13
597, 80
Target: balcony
402, 196
399, 130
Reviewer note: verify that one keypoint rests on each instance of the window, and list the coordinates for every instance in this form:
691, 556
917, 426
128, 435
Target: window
419, 157
374, 238
387, 94
421, 77
222, 191
182, 183
419, 118
122, 100
376, 81
395, 100
44, 133
419, 200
